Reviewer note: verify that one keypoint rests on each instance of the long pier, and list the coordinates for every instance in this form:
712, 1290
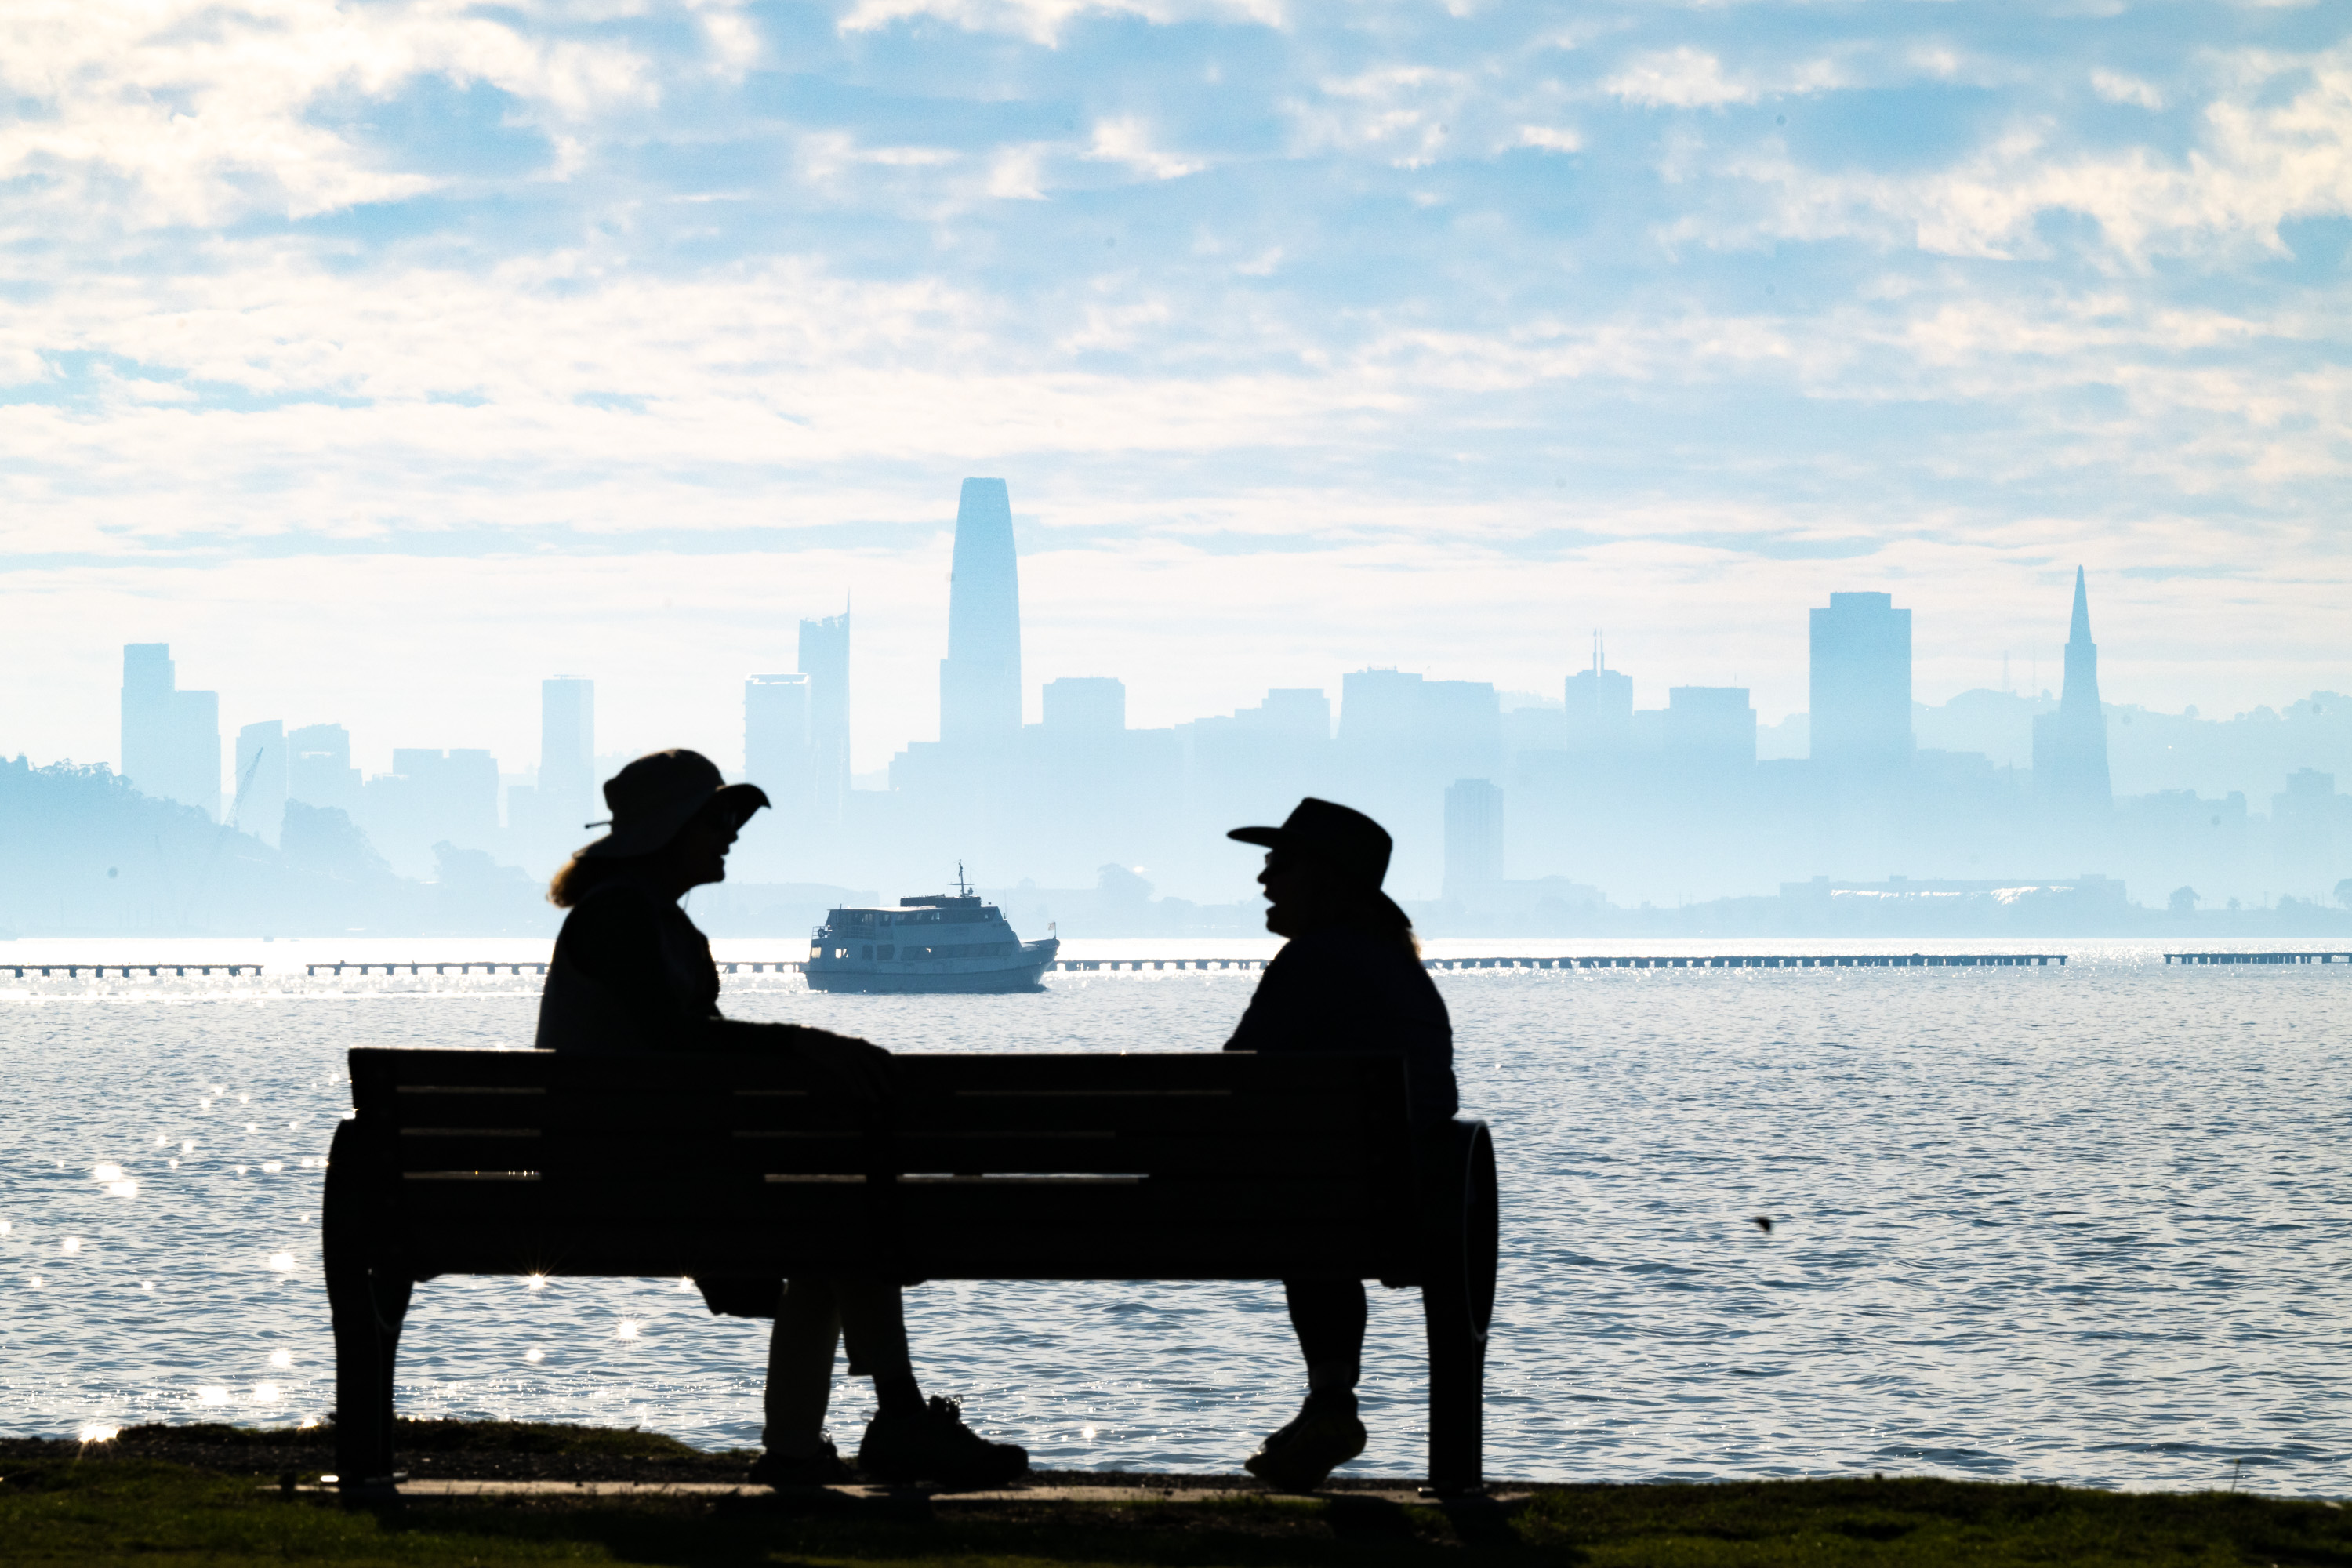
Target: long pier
97, 971
1619, 961
2258, 957
1087, 965
421, 966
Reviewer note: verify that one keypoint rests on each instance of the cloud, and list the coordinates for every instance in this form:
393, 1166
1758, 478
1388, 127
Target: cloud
1549, 138
1684, 77
2274, 143
2116, 88
190, 112
1402, 114
554, 305
1129, 140
1043, 21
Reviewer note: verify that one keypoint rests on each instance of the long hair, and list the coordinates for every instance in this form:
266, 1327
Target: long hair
580, 875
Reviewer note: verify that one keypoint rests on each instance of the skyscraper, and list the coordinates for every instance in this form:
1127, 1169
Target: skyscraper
171, 739
1710, 729
824, 659
980, 679
776, 750
259, 805
2069, 746
1474, 838
1862, 684
318, 769
567, 746
1600, 705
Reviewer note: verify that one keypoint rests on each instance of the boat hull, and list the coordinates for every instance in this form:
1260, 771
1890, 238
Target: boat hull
956, 977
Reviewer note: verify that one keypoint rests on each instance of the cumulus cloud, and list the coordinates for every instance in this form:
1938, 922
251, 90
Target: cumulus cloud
189, 112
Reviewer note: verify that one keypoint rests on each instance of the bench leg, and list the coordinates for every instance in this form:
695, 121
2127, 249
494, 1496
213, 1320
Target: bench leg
1457, 1297
368, 1312
1457, 1376
368, 1308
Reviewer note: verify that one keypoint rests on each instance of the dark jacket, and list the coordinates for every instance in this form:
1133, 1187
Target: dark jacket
1343, 990
631, 974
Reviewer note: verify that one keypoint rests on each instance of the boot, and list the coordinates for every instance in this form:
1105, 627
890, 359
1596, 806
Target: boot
934, 1445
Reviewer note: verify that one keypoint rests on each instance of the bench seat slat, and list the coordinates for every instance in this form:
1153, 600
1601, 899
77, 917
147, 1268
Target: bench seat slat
782, 1204
725, 1159
644, 1250
623, 1126
379, 1072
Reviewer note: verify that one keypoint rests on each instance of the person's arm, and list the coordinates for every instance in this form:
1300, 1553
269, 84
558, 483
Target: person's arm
859, 1068
616, 942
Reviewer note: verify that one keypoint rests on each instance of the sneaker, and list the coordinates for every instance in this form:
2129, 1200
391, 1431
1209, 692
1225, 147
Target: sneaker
934, 1445
1300, 1456
822, 1469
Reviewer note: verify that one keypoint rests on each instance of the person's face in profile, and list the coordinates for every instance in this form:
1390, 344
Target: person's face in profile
699, 851
1299, 892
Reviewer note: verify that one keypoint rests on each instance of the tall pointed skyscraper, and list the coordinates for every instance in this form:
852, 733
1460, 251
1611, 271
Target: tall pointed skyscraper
980, 679
2069, 746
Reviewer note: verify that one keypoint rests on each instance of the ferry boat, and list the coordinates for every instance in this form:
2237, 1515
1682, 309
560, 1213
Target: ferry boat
939, 943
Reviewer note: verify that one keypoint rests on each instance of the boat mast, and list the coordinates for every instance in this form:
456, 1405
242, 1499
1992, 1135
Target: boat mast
963, 888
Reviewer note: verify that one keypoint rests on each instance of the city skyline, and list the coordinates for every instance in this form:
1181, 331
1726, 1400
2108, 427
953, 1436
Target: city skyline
1865, 669
1878, 772
2037, 672
672, 698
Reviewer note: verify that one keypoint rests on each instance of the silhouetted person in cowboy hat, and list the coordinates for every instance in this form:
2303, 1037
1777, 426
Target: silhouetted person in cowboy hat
631, 974
1350, 978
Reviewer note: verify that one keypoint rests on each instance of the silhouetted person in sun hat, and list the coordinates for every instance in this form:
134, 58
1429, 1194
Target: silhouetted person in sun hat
1350, 978
632, 974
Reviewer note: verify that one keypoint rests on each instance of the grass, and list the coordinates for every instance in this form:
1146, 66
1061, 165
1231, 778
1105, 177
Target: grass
127, 1509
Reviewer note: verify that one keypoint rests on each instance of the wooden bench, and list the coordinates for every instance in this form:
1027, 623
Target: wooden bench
1210, 1165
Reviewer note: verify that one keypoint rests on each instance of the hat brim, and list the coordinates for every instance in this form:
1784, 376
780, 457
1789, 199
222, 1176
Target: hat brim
647, 834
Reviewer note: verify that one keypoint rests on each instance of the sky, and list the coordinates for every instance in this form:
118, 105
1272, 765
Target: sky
384, 359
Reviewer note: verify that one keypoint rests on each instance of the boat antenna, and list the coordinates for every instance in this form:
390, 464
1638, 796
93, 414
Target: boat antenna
963, 888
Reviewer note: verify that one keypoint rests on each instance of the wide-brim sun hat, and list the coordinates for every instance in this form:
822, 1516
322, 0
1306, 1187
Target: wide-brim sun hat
654, 798
1340, 837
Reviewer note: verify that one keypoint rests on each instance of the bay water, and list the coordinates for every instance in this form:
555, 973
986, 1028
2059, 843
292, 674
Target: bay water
2088, 1225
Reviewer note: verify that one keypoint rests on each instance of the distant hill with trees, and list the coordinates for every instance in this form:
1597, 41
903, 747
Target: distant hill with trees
83, 853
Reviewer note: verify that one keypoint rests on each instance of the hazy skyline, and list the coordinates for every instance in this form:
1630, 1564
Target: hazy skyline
383, 361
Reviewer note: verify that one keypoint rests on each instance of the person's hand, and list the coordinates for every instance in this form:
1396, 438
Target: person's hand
859, 1069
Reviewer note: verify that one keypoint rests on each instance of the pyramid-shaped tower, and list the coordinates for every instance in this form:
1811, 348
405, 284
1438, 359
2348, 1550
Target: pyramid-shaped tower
2069, 746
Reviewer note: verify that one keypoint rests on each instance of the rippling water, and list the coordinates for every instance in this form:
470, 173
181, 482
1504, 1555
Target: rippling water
2090, 1224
